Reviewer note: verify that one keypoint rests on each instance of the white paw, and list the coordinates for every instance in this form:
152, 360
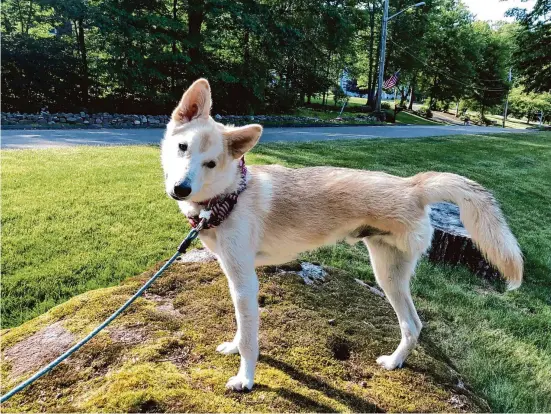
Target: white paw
389, 362
239, 383
227, 348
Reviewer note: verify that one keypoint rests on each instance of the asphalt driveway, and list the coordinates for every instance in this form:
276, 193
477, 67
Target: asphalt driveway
20, 139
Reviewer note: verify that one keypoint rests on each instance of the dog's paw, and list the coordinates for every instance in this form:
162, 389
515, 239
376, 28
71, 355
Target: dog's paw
227, 348
239, 383
389, 362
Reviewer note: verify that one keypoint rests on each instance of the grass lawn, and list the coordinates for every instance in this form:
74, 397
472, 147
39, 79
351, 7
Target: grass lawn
332, 113
407, 118
80, 218
512, 122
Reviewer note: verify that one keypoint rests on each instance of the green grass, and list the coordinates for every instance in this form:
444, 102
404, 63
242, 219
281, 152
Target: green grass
512, 122
330, 115
80, 218
407, 118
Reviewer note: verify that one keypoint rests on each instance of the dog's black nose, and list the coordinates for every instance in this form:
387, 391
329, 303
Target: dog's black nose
182, 190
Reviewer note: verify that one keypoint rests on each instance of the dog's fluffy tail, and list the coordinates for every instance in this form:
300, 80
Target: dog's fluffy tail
482, 218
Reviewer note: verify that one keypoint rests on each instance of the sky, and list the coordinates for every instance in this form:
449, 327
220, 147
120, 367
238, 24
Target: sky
495, 9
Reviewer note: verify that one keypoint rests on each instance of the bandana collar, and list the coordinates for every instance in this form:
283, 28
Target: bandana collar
218, 208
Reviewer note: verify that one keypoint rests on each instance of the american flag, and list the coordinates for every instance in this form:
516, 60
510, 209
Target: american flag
392, 81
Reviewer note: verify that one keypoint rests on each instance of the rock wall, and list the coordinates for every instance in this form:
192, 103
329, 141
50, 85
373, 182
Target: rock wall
105, 120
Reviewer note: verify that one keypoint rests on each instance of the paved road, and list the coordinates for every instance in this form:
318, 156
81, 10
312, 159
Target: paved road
63, 138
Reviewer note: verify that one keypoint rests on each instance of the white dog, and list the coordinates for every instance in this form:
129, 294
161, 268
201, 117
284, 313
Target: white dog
282, 212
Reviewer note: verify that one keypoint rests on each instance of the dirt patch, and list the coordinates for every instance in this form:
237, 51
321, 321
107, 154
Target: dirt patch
165, 304
38, 349
128, 335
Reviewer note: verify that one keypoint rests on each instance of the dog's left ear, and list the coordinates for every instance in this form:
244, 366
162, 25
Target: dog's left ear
195, 103
240, 140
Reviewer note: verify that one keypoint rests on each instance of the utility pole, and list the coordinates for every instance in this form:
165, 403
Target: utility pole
383, 48
382, 58
507, 98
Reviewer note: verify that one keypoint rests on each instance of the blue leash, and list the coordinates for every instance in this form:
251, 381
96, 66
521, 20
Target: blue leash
181, 249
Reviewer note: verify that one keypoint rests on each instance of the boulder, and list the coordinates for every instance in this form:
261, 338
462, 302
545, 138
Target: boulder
160, 354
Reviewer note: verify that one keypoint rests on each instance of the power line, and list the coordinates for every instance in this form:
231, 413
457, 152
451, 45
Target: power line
426, 64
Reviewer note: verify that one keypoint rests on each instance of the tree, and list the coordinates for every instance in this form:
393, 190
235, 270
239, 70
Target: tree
532, 58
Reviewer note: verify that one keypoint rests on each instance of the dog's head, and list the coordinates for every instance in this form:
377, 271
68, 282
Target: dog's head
199, 155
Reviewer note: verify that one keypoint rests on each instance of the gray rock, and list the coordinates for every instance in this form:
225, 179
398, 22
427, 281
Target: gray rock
136, 122
197, 256
82, 114
98, 121
312, 274
72, 120
218, 117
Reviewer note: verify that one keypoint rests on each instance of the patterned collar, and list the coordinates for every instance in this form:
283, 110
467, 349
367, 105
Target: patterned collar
217, 209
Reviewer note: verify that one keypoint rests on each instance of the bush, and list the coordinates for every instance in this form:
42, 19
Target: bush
385, 105
364, 109
424, 112
280, 100
338, 95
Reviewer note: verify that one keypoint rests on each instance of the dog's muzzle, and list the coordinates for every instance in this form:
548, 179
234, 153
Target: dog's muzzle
181, 190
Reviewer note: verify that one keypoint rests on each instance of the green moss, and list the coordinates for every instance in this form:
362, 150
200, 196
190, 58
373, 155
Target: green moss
160, 356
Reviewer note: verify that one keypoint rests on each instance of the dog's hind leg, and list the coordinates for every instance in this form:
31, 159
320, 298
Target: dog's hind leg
393, 270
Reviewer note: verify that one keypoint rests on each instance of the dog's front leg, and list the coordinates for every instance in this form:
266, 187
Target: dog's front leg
243, 284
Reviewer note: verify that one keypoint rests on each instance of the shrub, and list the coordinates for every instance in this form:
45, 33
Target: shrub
385, 105
338, 95
424, 112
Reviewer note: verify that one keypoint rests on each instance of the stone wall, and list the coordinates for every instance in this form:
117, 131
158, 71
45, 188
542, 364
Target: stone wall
101, 120
106, 120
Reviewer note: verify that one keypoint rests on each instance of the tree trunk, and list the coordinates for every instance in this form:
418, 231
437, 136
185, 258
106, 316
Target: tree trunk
29, 16
403, 96
246, 51
83, 56
457, 110
412, 96
309, 99
371, 43
174, 50
451, 243
196, 15
376, 76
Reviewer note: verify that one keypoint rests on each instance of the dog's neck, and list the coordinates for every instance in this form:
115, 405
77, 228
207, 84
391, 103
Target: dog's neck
219, 205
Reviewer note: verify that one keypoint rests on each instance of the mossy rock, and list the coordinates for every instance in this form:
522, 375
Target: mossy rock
318, 347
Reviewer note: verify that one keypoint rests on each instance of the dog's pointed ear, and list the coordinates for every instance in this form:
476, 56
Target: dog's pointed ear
195, 103
240, 140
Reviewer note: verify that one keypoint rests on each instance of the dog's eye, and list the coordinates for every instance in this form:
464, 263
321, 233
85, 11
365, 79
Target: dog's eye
183, 147
210, 164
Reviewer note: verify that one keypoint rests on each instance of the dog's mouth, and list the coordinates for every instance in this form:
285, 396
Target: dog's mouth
175, 197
